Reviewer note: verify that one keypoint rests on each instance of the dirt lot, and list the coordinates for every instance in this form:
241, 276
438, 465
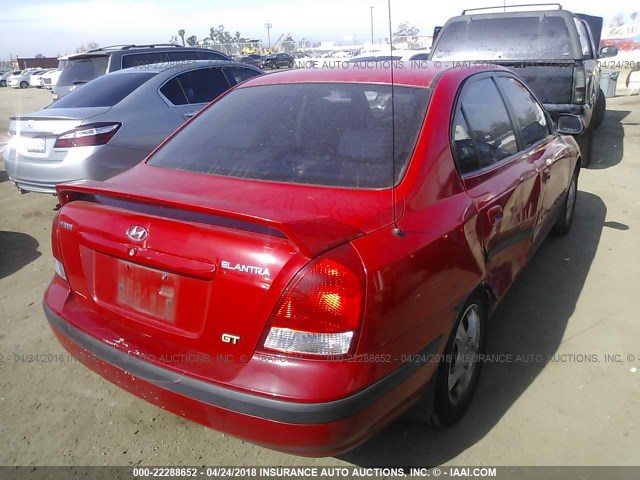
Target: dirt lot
562, 403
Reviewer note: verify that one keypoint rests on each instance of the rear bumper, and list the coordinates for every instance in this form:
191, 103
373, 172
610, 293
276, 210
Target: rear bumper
302, 428
80, 163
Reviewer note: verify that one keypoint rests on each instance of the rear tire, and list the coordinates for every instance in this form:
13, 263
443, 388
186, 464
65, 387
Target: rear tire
565, 217
3, 83
599, 110
459, 368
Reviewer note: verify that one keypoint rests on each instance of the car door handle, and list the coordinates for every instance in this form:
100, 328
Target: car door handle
189, 115
494, 215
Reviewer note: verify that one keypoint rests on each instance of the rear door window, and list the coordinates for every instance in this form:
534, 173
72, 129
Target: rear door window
238, 74
195, 86
487, 123
105, 91
83, 70
529, 114
142, 59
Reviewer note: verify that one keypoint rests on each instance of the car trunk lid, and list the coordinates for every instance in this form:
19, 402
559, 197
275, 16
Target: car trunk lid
34, 134
201, 271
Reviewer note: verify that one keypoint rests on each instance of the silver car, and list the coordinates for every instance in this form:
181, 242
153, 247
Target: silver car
113, 122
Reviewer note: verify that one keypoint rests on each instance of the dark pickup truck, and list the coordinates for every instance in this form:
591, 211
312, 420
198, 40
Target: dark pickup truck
555, 51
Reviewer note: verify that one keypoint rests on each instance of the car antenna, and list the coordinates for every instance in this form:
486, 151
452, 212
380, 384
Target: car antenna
396, 228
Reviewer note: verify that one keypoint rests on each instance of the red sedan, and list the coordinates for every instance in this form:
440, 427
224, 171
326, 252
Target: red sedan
316, 252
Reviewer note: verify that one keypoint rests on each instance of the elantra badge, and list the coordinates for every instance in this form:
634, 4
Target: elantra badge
137, 233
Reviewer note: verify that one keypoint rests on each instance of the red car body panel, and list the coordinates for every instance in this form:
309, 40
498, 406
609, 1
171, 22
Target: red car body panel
414, 283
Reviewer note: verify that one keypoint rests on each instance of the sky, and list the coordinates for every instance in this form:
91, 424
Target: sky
56, 27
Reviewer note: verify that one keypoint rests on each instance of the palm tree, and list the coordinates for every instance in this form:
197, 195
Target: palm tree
181, 32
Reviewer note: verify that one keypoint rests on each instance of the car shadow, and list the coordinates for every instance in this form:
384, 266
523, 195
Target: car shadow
530, 321
608, 142
16, 250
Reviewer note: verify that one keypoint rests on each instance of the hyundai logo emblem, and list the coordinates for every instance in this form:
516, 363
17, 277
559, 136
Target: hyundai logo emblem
137, 233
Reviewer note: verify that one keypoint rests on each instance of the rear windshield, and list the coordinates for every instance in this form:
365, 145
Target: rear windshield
105, 91
330, 134
83, 70
506, 38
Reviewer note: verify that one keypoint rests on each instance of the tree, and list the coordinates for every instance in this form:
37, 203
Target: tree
39, 55
90, 46
181, 33
617, 21
406, 30
173, 39
192, 41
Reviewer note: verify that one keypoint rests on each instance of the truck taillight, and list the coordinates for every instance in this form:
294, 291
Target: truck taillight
579, 85
88, 135
321, 313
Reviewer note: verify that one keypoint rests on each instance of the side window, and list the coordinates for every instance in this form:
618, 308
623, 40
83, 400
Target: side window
529, 114
465, 148
487, 123
211, 55
141, 59
195, 86
585, 44
238, 75
182, 56
174, 93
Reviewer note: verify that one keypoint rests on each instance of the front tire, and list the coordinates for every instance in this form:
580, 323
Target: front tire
565, 218
24, 84
459, 368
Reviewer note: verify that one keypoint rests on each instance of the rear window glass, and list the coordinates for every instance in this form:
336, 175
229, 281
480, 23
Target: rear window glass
83, 70
105, 91
506, 38
320, 134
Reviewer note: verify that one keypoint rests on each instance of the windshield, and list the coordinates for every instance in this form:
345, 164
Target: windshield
105, 91
83, 70
332, 134
505, 38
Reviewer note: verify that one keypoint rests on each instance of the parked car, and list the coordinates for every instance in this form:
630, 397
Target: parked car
397, 56
555, 51
5, 76
21, 79
113, 123
50, 78
35, 79
253, 59
374, 228
278, 60
84, 67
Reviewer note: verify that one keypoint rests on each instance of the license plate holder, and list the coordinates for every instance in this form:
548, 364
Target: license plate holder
32, 144
147, 290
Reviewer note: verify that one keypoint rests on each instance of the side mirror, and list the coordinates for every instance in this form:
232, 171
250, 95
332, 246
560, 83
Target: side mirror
570, 124
607, 52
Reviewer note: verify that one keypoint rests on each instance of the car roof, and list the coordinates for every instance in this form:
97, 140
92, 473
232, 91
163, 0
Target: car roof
180, 65
423, 76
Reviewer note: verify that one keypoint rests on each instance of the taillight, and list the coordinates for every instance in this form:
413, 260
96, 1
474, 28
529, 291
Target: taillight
321, 313
88, 135
579, 85
55, 248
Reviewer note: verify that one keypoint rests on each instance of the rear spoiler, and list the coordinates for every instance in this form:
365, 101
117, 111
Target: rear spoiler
311, 236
